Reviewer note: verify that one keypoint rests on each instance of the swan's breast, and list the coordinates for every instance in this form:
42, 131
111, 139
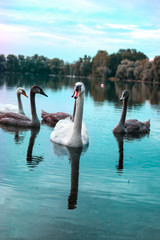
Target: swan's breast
62, 131
63, 134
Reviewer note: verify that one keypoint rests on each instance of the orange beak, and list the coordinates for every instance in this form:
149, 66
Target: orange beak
25, 94
76, 95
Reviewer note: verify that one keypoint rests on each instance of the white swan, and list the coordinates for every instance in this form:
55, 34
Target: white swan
12, 108
72, 133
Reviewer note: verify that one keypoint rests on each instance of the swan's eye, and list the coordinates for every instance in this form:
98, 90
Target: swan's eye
76, 93
78, 88
125, 94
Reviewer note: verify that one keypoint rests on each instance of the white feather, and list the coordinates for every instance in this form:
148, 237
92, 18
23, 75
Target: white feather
8, 108
63, 132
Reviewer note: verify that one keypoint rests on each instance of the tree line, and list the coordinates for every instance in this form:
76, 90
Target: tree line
125, 64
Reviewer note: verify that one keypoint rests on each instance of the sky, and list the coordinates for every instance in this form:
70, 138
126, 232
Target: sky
69, 29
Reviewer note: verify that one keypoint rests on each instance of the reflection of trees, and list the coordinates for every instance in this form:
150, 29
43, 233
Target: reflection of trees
101, 94
27, 80
139, 91
74, 157
120, 141
155, 96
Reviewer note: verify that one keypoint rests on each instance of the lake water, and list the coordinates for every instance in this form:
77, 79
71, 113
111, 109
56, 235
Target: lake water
110, 190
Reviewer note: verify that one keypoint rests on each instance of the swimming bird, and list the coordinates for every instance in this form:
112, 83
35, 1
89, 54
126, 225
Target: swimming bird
131, 125
52, 118
15, 119
12, 108
72, 133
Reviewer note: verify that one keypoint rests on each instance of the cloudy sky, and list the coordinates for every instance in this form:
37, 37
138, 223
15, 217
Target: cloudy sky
69, 29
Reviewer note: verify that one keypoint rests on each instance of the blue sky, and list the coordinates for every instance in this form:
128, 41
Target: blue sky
69, 29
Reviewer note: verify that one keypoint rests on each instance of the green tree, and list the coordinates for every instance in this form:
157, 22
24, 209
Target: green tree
132, 54
55, 66
99, 61
112, 63
156, 68
66, 69
2, 63
42, 66
21, 63
86, 66
12, 63
138, 71
125, 70
147, 74
76, 71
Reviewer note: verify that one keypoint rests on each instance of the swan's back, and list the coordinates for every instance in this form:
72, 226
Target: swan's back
14, 119
8, 108
53, 118
133, 126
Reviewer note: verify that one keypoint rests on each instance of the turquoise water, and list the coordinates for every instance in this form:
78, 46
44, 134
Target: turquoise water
109, 190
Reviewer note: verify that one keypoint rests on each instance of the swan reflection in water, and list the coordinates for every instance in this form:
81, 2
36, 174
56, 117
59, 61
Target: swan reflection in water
74, 157
19, 135
120, 141
32, 160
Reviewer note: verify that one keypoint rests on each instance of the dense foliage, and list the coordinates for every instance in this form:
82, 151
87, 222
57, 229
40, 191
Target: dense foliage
125, 64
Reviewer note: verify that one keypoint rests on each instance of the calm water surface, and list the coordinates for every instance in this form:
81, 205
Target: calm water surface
109, 190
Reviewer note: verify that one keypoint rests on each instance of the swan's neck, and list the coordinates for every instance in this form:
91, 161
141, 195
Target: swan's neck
124, 112
35, 119
76, 137
78, 115
20, 107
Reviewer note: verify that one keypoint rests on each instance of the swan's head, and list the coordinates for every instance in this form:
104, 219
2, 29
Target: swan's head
36, 89
78, 89
125, 95
21, 90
